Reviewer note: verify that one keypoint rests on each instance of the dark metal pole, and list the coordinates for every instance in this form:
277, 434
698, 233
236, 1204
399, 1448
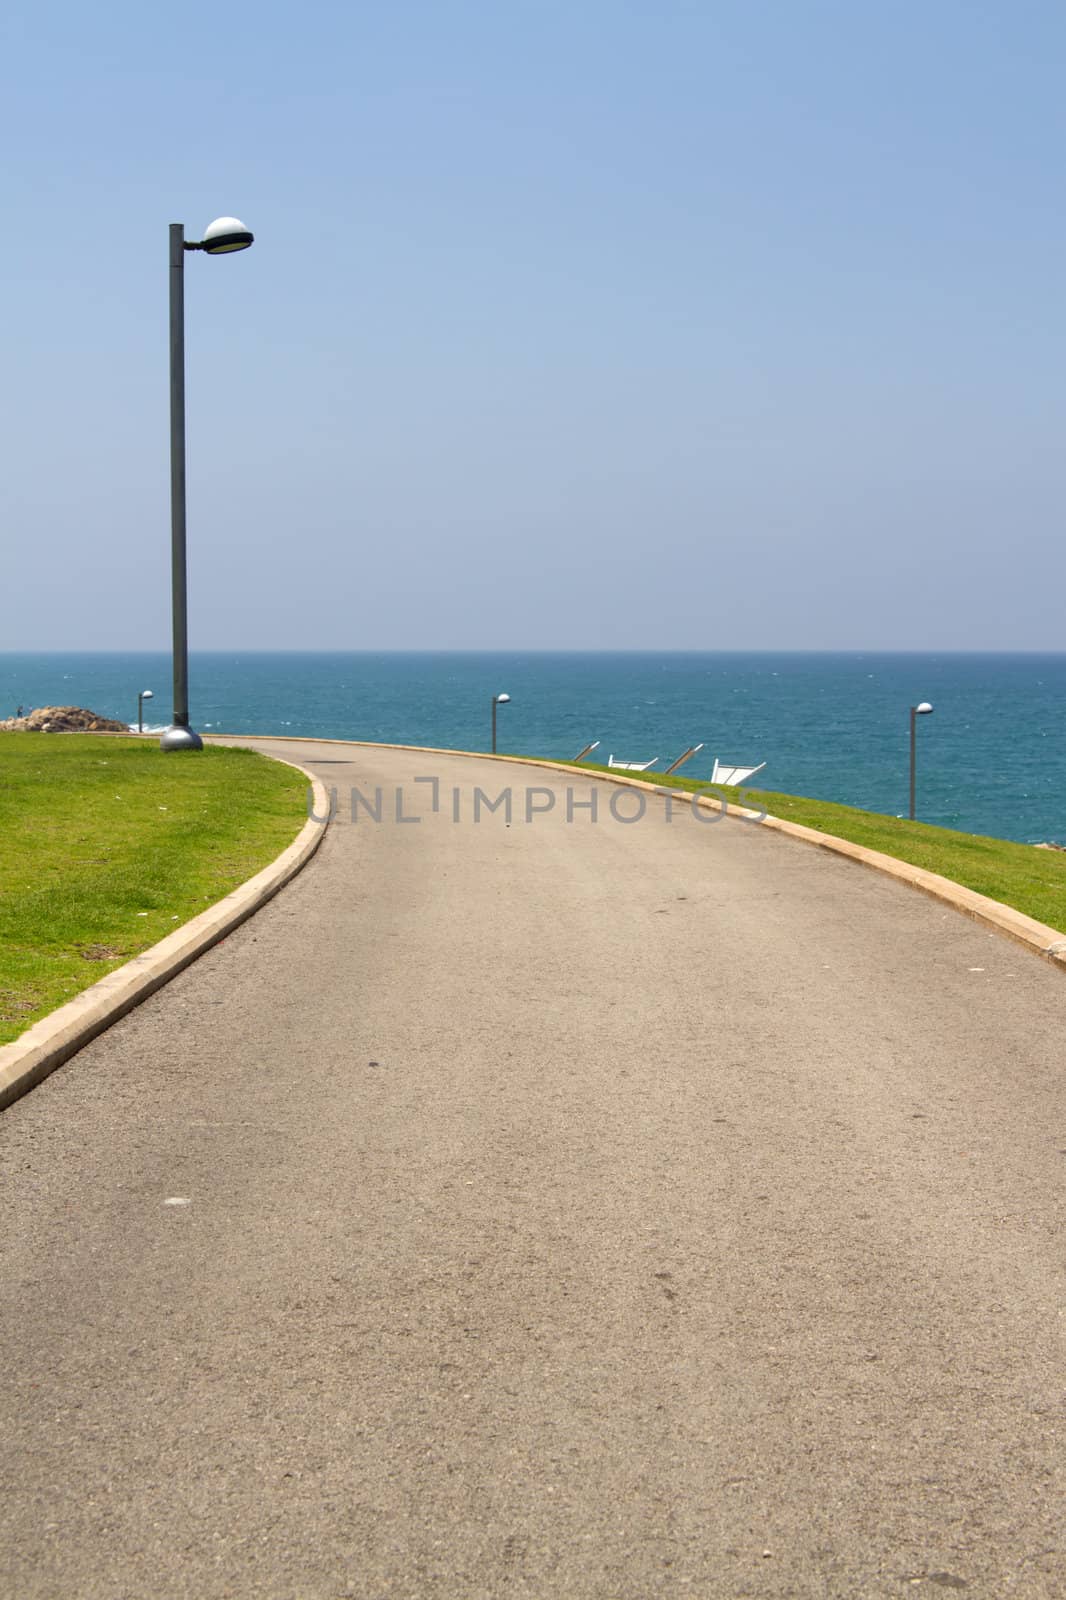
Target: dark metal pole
914, 719
180, 736
494, 724
140, 713
179, 602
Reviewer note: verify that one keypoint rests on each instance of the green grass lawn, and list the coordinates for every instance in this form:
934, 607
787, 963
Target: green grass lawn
1019, 875
107, 845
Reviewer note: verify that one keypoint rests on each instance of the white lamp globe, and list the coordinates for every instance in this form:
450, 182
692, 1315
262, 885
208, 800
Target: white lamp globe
226, 234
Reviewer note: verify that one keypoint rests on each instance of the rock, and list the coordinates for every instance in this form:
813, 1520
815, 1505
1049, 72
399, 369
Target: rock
1049, 846
63, 719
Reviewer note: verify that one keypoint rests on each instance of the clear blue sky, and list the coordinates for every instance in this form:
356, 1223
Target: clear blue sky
567, 323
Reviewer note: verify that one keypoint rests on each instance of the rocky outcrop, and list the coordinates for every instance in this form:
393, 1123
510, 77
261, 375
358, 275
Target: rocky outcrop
63, 719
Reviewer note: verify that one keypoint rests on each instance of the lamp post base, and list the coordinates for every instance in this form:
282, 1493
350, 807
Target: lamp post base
179, 738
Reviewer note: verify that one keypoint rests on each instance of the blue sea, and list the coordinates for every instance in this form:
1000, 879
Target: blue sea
991, 758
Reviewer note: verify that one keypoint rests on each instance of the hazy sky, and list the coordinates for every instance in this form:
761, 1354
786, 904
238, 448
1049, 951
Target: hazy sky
567, 323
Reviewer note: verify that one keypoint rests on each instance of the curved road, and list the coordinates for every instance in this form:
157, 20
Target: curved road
570, 1208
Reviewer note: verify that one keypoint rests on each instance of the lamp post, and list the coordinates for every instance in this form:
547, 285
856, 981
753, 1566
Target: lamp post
224, 235
145, 694
922, 710
497, 700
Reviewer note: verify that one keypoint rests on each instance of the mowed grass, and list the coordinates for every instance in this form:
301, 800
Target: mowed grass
107, 845
1018, 875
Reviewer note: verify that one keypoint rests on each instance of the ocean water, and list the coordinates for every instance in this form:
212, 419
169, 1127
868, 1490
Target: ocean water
991, 758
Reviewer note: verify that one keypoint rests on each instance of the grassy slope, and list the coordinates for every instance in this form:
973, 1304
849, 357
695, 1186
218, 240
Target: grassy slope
107, 845
1019, 875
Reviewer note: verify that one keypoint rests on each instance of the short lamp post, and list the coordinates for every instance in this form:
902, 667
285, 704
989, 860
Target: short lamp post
223, 237
497, 700
145, 694
922, 710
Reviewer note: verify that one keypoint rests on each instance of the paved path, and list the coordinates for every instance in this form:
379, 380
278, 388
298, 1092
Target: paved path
613, 1210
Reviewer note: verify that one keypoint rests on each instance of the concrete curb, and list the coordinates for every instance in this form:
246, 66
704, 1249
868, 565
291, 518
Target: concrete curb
1048, 943
53, 1040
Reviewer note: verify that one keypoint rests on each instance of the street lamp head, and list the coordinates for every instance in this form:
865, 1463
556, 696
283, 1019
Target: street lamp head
146, 694
226, 234
502, 699
923, 709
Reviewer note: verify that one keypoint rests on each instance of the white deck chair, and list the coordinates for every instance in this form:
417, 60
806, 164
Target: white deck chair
631, 766
732, 776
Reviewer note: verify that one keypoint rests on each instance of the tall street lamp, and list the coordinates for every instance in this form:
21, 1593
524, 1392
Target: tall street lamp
923, 710
497, 700
221, 238
145, 694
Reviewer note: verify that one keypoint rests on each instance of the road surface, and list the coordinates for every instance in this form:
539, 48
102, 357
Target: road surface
549, 1208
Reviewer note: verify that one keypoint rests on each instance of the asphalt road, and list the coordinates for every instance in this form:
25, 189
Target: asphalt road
567, 1209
